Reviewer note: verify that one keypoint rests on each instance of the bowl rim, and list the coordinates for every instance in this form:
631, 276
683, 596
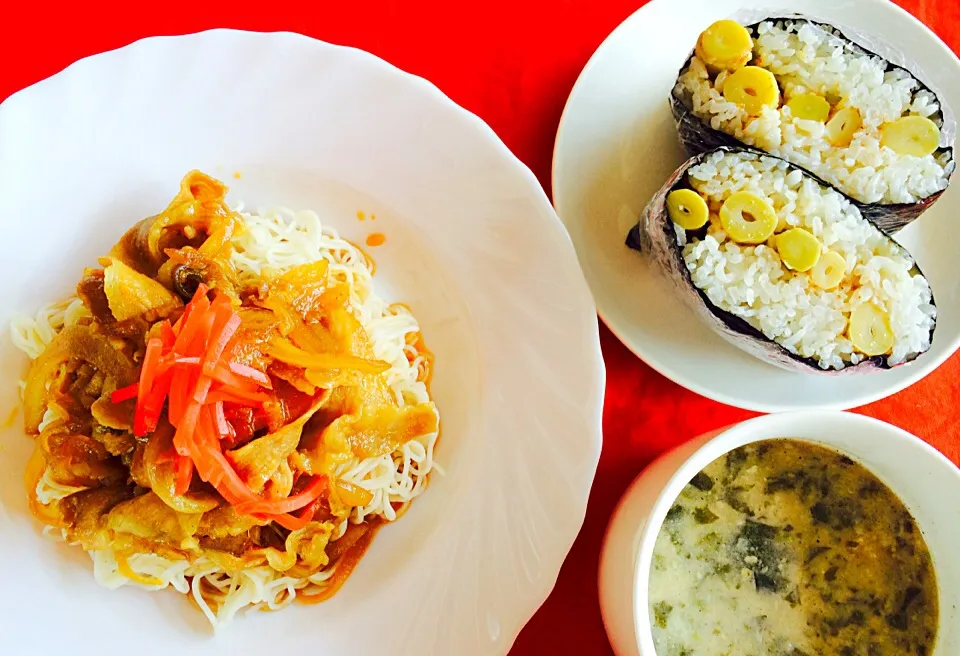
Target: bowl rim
758, 429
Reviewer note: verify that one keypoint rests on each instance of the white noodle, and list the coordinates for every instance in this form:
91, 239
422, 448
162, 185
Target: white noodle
31, 335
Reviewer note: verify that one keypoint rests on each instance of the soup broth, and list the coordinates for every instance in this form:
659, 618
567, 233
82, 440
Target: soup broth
786, 548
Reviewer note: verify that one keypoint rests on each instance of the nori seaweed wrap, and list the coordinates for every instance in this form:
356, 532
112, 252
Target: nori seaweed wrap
785, 267
822, 98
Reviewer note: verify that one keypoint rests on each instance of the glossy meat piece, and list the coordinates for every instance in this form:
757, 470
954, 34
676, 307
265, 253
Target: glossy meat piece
188, 220
297, 294
79, 460
235, 545
86, 513
259, 460
226, 522
91, 291
379, 431
116, 416
131, 295
150, 518
292, 375
156, 466
74, 343
116, 442
138, 466
257, 327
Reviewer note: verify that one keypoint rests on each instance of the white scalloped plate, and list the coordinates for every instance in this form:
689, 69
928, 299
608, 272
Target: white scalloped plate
617, 144
473, 247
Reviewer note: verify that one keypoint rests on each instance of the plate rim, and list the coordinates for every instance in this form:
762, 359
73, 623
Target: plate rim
592, 401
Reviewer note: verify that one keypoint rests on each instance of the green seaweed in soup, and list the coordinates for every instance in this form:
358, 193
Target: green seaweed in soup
786, 548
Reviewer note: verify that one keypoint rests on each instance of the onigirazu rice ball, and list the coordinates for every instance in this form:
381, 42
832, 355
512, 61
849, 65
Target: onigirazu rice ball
785, 267
803, 91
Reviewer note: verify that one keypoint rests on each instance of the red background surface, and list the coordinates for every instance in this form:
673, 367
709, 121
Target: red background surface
513, 63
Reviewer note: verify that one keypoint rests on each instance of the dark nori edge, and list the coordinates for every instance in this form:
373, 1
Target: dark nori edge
702, 482
697, 137
760, 541
638, 238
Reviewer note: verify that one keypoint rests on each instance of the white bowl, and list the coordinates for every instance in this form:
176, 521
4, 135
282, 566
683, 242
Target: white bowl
473, 247
617, 144
926, 481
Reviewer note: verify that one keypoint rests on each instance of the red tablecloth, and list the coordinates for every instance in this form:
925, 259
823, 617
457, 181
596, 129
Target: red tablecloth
513, 63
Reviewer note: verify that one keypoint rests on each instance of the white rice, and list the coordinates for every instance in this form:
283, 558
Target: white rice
752, 283
806, 58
